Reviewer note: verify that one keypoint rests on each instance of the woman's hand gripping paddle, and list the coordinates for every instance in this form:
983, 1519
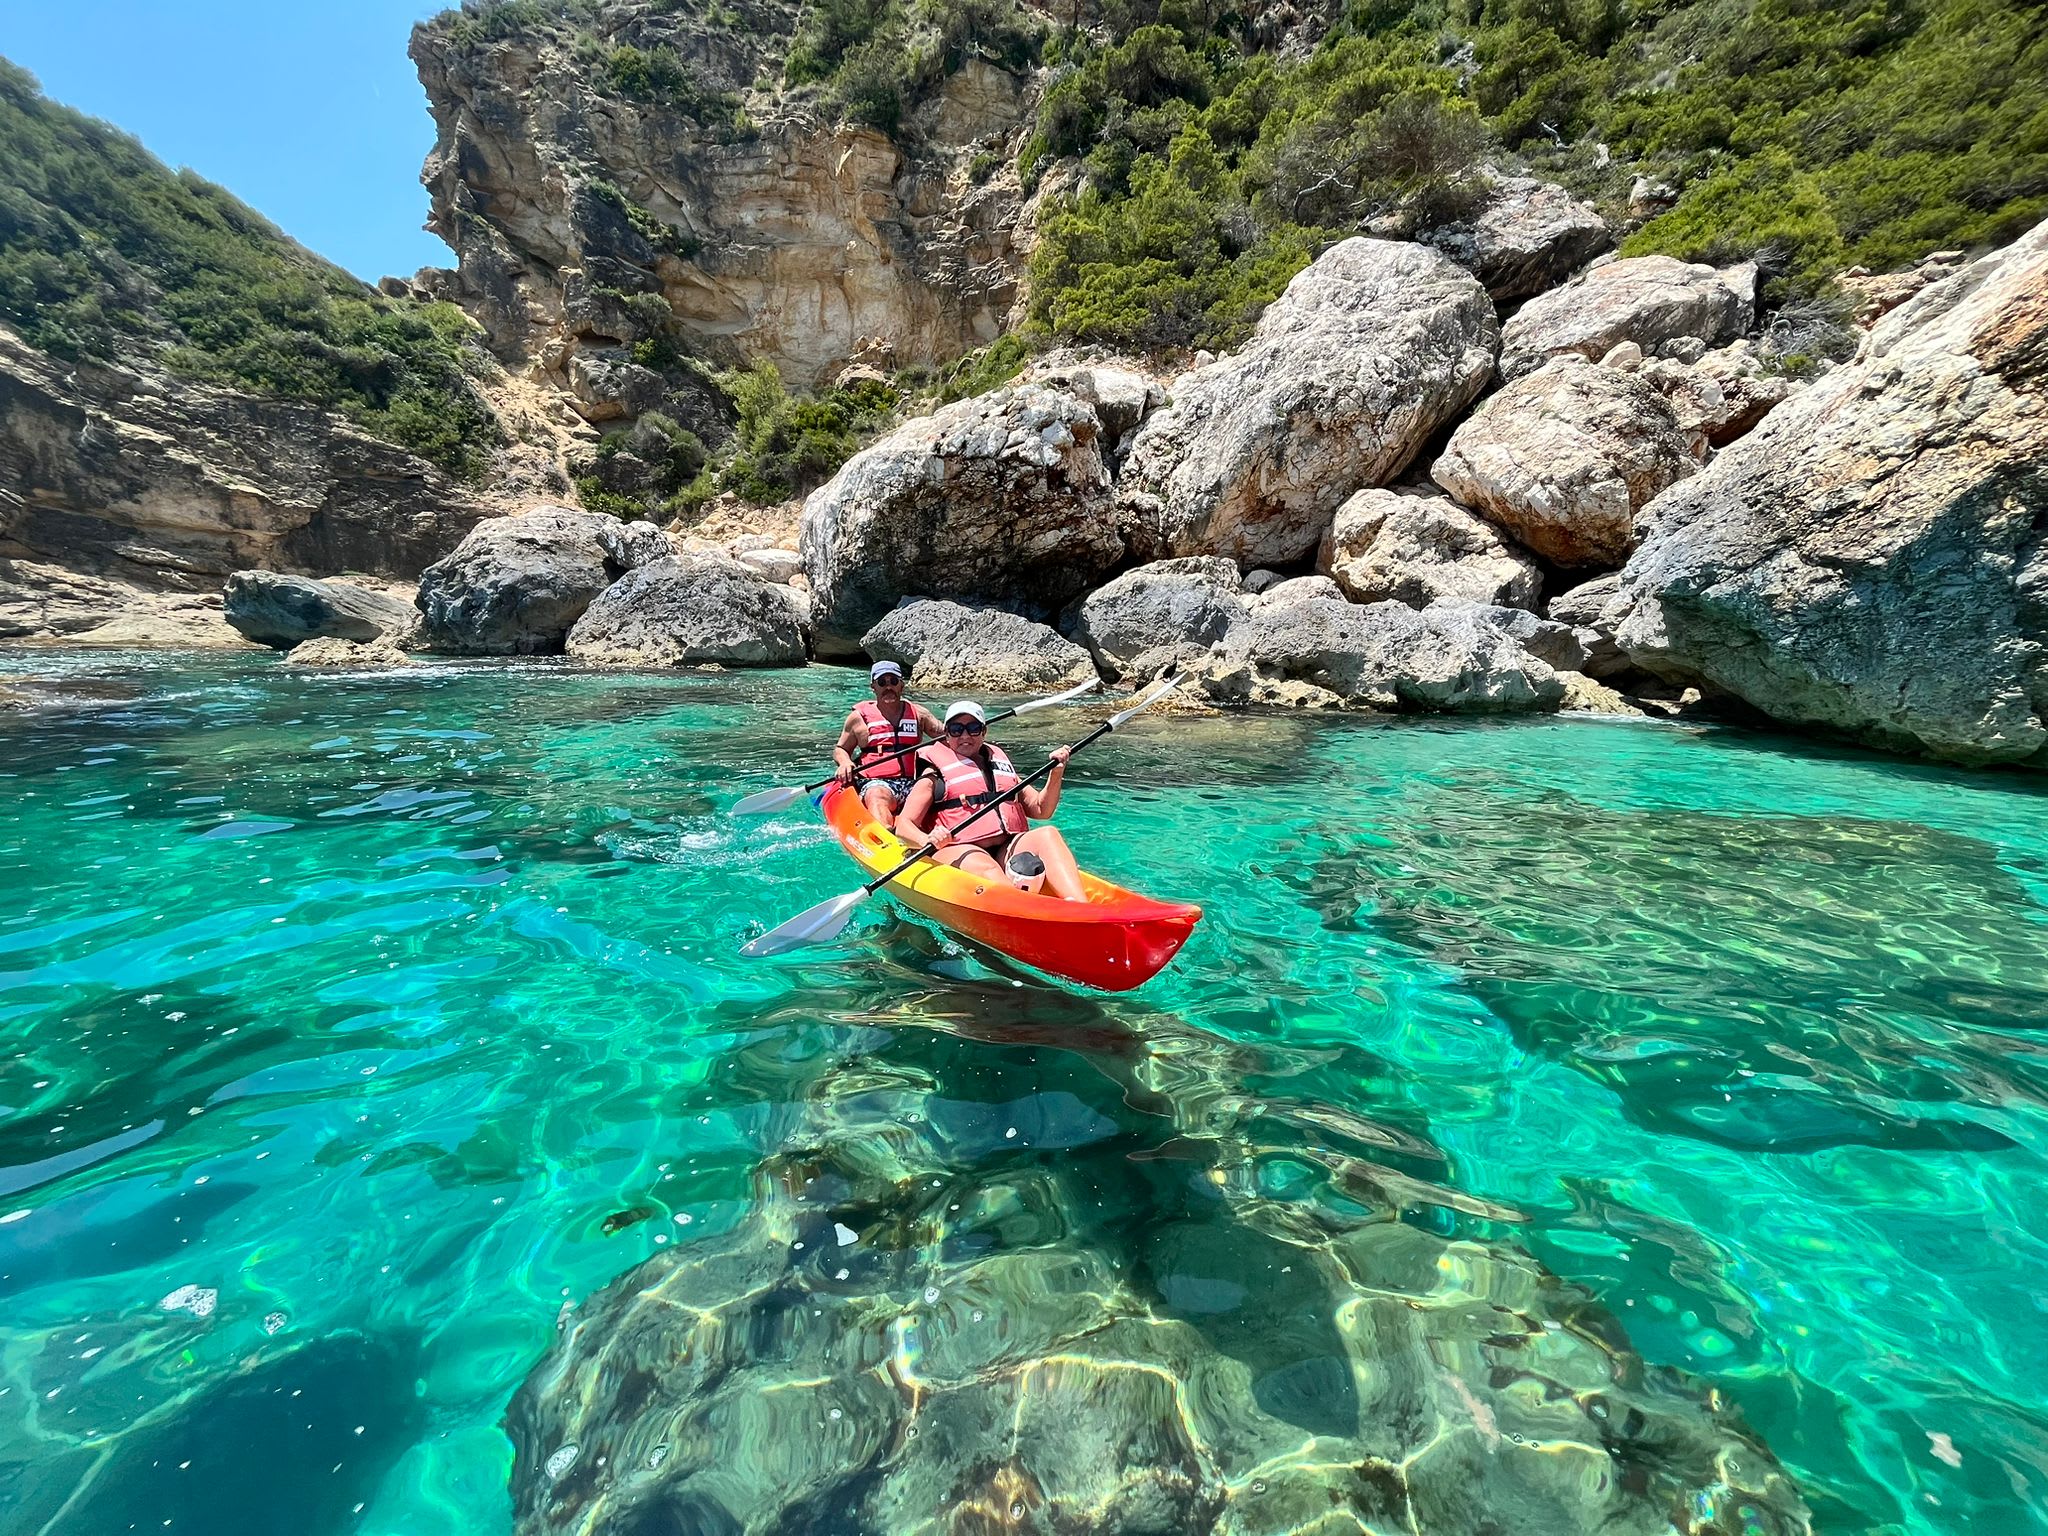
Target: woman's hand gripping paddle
763, 801
828, 919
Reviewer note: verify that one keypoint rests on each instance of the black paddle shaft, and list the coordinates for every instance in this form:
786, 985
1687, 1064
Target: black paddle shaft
1009, 794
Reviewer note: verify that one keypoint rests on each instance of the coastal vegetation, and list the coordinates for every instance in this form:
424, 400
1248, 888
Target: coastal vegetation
107, 253
1803, 134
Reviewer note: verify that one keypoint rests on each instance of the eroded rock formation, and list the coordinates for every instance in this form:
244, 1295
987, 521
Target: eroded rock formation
515, 585
953, 648
1644, 299
1420, 549
1369, 351
125, 490
1874, 557
692, 610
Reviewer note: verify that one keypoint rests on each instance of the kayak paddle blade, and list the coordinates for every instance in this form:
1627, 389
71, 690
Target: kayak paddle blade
1069, 696
1158, 692
761, 803
818, 925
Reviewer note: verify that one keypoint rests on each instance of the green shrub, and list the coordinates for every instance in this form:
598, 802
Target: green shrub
784, 444
103, 249
1764, 208
984, 369
659, 77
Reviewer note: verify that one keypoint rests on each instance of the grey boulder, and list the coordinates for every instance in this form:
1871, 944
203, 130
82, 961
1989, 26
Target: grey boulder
515, 585
326, 651
692, 610
280, 610
1421, 549
1563, 458
1451, 657
1161, 613
955, 648
1000, 499
1644, 299
1532, 235
1370, 350
1873, 558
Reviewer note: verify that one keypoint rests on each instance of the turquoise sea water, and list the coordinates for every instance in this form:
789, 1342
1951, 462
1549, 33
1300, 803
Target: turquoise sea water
369, 1022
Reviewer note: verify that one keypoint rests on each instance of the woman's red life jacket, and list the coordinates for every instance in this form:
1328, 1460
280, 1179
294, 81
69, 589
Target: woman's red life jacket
891, 752
969, 783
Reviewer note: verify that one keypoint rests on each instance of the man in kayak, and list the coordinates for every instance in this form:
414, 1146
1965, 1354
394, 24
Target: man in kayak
956, 779
878, 743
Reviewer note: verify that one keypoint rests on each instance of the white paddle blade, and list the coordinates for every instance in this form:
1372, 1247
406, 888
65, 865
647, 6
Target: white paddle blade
819, 925
1157, 692
764, 801
1069, 696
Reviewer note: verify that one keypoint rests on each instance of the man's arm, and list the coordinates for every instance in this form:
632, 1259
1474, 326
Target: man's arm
853, 738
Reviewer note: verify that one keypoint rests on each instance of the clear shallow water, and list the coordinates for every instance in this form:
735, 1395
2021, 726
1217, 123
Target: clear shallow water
399, 1012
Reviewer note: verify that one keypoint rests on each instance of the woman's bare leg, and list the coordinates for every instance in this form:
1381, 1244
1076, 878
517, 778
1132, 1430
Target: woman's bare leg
973, 860
1062, 874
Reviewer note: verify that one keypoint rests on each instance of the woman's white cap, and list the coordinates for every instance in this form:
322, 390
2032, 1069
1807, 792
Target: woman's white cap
965, 707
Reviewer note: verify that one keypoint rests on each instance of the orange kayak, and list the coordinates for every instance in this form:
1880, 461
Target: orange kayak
1115, 940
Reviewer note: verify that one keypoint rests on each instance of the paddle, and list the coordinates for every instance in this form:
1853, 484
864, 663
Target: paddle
828, 919
763, 801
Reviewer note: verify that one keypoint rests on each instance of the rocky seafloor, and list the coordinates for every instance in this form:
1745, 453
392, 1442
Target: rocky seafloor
1258, 1318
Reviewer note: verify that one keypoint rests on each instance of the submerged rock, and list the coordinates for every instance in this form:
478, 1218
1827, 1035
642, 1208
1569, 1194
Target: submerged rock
955, 648
909, 1332
1563, 458
1644, 299
1423, 549
1369, 351
516, 585
693, 610
1000, 499
281, 610
1874, 557
1159, 614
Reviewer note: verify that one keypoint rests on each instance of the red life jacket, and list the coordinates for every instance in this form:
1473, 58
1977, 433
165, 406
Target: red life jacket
969, 783
891, 749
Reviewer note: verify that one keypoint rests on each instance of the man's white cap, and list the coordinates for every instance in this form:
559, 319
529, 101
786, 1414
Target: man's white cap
965, 707
884, 669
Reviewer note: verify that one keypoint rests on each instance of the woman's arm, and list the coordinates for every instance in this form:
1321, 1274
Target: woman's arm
1039, 804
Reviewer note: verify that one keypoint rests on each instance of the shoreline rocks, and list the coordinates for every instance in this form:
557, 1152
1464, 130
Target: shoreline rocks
1001, 499
1562, 458
692, 610
1424, 548
951, 648
515, 586
1873, 559
1160, 614
1648, 300
283, 611
1369, 351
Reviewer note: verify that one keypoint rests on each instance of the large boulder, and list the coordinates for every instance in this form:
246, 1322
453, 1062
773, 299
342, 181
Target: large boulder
1351, 370
279, 610
515, 585
1423, 549
1452, 657
1874, 557
1644, 299
1160, 613
1000, 499
1720, 397
1563, 458
1532, 235
1122, 396
1595, 610
327, 651
692, 610
949, 647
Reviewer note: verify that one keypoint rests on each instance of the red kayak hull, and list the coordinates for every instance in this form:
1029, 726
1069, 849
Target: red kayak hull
1114, 941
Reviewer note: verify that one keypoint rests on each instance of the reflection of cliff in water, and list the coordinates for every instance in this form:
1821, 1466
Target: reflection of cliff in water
1023, 1261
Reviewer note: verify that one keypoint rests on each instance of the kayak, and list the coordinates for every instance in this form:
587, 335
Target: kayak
1115, 940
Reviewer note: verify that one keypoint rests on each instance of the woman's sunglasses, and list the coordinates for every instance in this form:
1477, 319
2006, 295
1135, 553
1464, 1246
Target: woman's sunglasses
966, 728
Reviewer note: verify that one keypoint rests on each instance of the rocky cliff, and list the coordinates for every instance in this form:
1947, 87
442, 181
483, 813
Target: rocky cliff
615, 187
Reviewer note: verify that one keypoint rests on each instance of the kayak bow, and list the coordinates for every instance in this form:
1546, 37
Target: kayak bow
1115, 940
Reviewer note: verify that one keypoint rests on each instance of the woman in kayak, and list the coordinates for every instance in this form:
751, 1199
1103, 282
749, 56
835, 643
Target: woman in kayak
962, 775
878, 743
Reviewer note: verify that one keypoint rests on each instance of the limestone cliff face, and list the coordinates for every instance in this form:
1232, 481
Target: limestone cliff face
127, 493
586, 221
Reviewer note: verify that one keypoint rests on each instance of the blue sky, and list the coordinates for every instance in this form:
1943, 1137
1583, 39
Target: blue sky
307, 110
